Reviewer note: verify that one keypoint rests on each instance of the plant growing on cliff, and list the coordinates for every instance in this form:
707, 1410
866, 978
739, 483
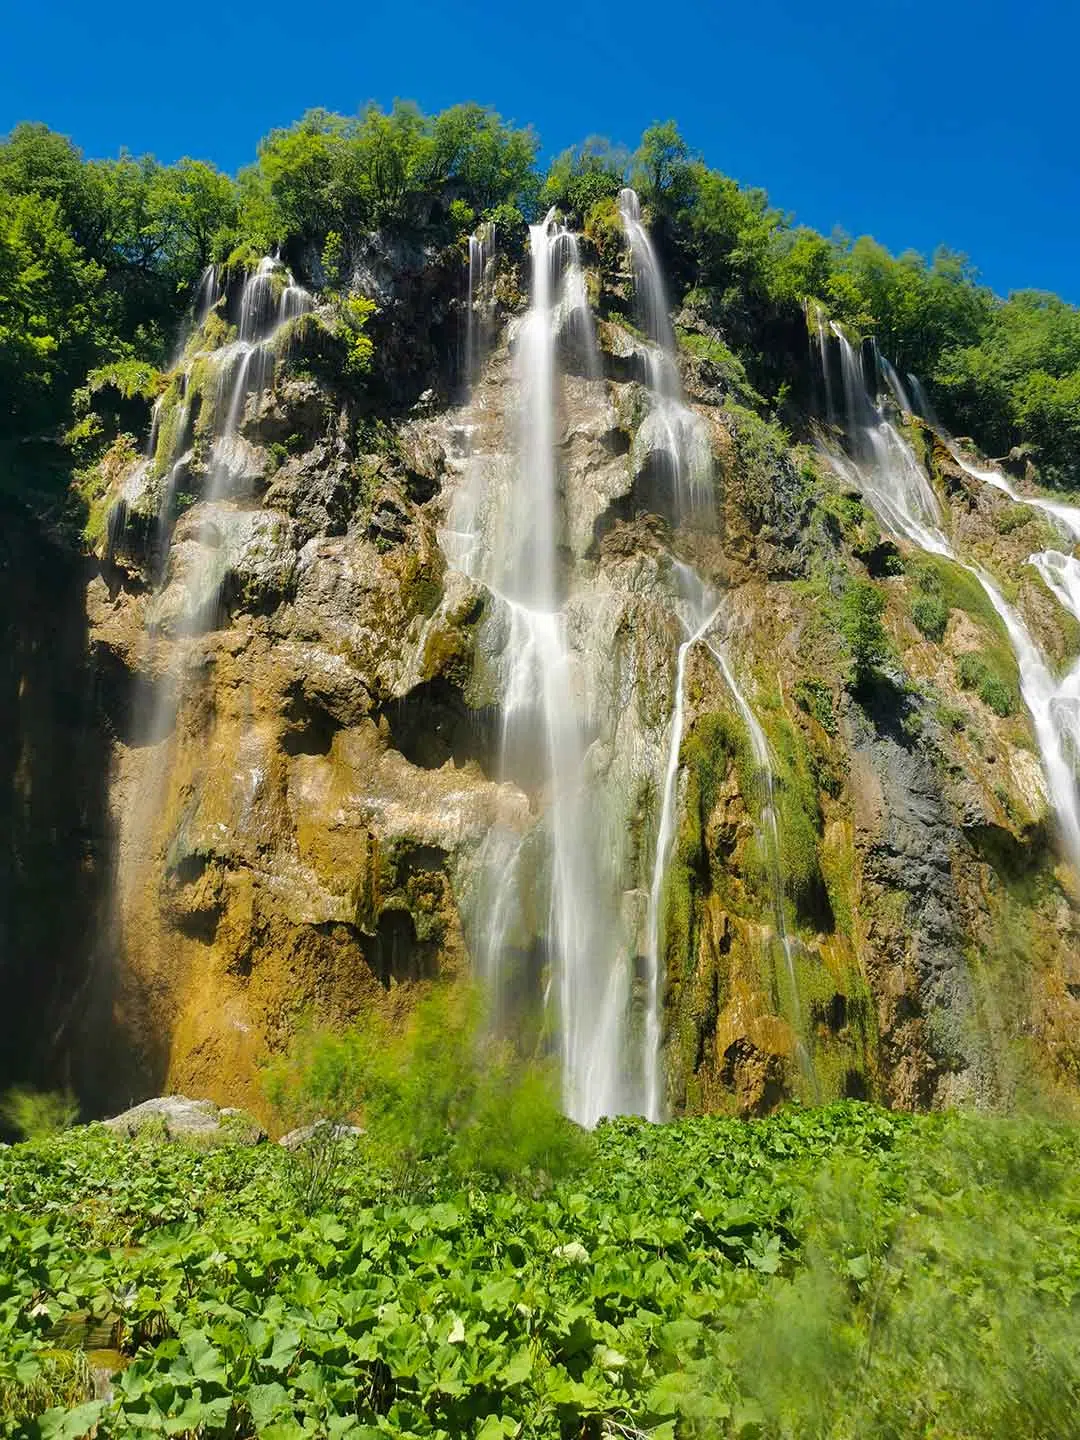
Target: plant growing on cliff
931, 615
977, 670
861, 608
35, 1114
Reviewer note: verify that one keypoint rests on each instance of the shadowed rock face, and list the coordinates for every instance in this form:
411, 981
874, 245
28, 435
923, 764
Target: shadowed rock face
54, 821
289, 753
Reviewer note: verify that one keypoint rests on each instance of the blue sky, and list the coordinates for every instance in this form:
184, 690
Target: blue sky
919, 123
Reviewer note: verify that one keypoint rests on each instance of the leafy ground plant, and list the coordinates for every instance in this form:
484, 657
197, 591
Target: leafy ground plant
837, 1272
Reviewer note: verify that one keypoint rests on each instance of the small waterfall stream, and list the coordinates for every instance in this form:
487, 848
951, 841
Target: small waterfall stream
883, 467
703, 611
671, 428
268, 301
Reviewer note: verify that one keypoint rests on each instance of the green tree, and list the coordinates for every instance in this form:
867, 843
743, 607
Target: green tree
662, 169
583, 175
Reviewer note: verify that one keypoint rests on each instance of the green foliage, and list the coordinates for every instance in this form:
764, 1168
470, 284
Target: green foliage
931, 615
1012, 517
34, 1114
333, 258
98, 260
762, 449
1018, 381
353, 314
815, 697
441, 1093
977, 670
861, 608
662, 170
831, 1272
330, 174
132, 379
583, 176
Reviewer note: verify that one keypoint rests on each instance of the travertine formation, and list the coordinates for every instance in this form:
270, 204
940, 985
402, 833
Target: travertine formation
296, 732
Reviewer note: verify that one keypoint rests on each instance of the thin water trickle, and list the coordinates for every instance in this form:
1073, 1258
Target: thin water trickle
481, 246
703, 609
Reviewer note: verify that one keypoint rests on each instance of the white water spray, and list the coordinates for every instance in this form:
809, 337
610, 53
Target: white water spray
1066, 516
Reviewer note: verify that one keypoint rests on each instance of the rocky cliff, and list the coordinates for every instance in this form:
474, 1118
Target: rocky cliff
298, 774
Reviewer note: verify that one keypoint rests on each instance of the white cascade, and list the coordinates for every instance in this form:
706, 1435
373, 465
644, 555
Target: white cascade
481, 245
1066, 516
509, 537
671, 427
883, 467
1062, 575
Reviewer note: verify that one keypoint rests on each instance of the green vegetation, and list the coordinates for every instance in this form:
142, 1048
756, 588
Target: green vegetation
441, 1091
838, 1272
931, 615
977, 670
861, 608
99, 260
33, 1114
329, 179
815, 698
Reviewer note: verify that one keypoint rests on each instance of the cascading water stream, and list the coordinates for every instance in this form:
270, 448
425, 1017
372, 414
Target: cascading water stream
1066, 516
770, 826
269, 299
884, 469
671, 428
510, 540
1062, 576
481, 244
702, 615
699, 610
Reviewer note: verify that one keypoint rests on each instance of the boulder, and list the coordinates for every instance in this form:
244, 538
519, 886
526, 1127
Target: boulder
184, 1118
304, 1134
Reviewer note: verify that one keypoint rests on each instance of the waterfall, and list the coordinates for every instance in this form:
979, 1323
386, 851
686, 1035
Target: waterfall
481, 245
1067, 517
770, 826
1062, 576
703, 613
269, 299
671, 428
883, 467
509, 537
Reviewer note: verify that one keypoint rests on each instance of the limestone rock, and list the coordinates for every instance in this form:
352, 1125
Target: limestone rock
184, 1118
304, 1134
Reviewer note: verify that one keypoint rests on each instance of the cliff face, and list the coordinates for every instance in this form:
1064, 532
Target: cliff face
307, 785
54, 816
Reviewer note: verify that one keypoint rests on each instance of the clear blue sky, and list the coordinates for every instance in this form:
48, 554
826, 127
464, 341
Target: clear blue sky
917, 122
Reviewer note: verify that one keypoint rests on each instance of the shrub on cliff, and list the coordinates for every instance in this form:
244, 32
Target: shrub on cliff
861, 608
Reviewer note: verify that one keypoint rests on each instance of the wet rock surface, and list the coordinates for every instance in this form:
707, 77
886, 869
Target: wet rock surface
304, 763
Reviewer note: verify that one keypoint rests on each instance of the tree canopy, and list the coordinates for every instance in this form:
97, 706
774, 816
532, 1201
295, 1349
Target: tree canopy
99, 259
